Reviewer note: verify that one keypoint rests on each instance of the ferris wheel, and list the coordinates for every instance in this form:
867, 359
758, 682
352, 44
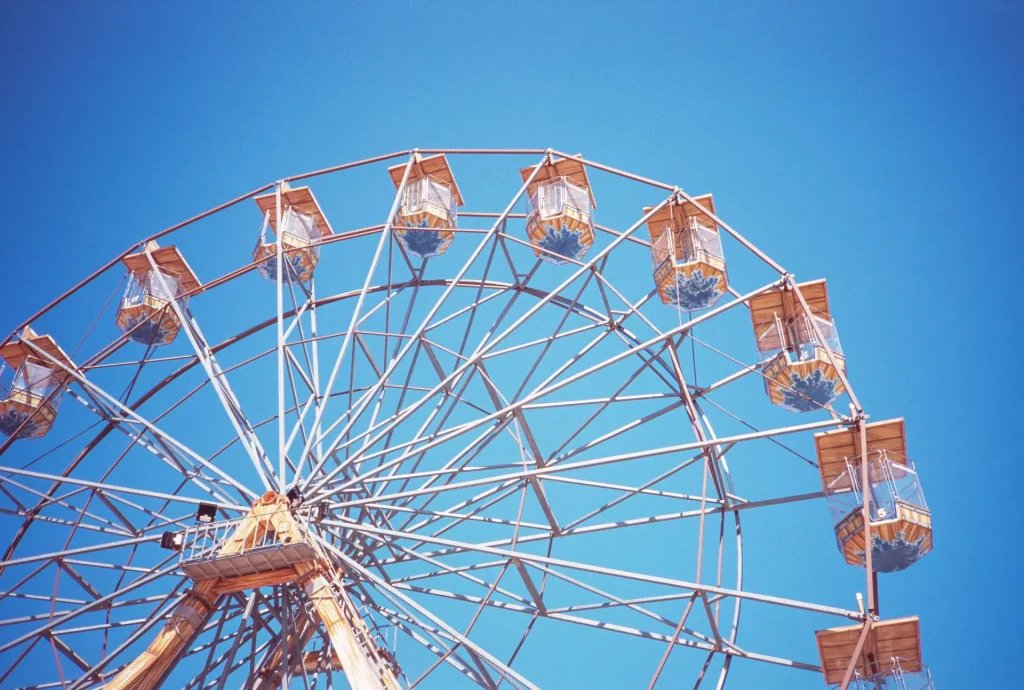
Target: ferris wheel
434, 447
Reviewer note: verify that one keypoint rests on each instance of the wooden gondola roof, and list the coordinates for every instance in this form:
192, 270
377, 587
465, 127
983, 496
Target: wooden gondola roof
674, 212
834, 447
784, 302
900, 637
571, 168
169, 259
435, 166
299, 198
16, 351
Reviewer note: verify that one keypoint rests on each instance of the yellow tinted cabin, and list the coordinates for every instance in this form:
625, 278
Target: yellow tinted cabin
889, 660
560, 211
427, 217
901, 524
157, 275
686, 253
29, 405
798, 364
303, 224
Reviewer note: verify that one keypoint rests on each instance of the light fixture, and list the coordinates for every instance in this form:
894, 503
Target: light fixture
323, 508
172, 541
207, 513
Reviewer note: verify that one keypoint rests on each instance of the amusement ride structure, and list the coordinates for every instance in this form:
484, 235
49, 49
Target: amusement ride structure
435, 447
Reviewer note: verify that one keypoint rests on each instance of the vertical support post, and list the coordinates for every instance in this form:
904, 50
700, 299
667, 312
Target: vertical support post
316, 376
148, 670
249, 605
345, 628
865, 477
281, 440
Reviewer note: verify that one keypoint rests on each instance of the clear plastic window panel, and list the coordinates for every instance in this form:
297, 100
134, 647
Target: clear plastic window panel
300, 228
551, 198
772, 337
686, 245
661, 247
889, 482
799, 335
264, 227
35, 380
426, 191
154, 284
577, 197
7, 374
803, 331
708, 239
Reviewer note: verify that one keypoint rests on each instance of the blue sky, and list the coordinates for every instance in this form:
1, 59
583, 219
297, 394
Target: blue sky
876, 144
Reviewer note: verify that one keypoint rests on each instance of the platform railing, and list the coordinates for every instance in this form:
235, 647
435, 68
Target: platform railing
893, 678
206, 541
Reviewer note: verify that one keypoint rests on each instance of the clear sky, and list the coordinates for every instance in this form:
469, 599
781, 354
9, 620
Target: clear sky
876, 144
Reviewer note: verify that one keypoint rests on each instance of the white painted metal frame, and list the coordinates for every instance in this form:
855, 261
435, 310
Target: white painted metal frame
425, 358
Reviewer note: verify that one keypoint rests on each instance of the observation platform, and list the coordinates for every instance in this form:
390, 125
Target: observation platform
263, 559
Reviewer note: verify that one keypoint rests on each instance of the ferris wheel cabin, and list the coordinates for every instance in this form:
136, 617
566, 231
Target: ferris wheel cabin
30, 401
890, 658
801, 351
560, 211
686, 254
901, 524
157, 276
425, 222
303, 224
